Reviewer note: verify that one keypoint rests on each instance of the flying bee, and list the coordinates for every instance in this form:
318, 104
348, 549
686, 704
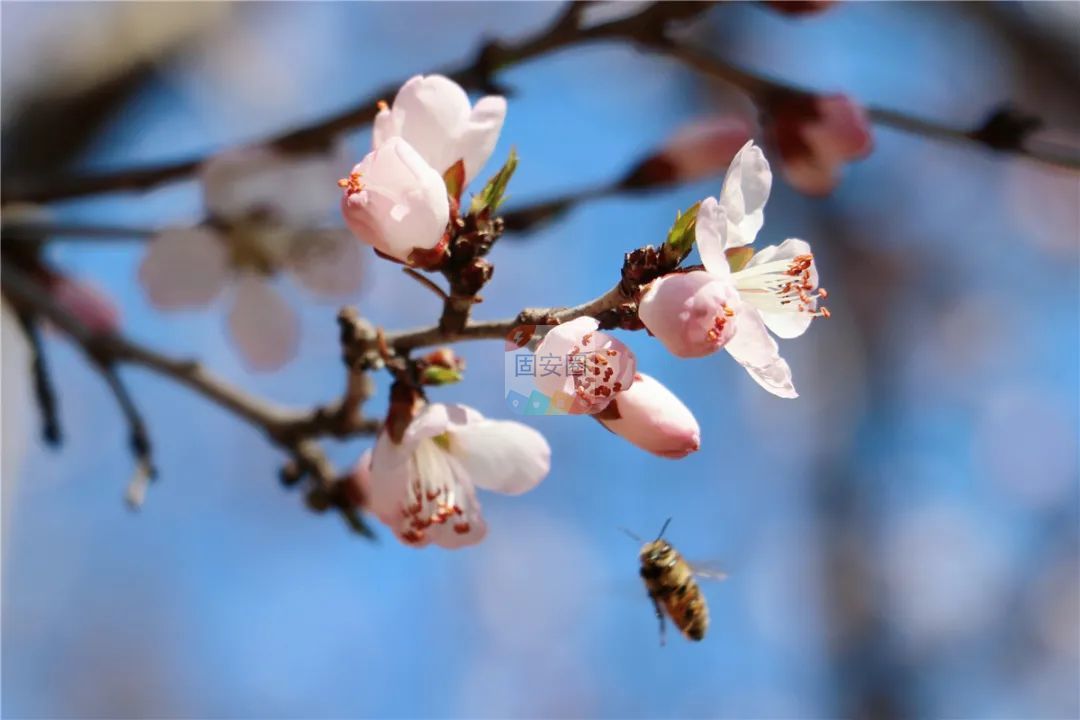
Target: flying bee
669, 580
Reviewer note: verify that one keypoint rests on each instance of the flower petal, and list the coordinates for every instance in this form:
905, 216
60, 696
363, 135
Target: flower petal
690, 313
710, 229
758, 352
654, 419
327, 262
787, 323
431, 112
481, 133
502, 455
743, 195
183, 268
590, 383
264, 327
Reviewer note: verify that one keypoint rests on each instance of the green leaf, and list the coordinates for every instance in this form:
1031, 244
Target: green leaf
494, 193
455, 179
436, 375
680, 238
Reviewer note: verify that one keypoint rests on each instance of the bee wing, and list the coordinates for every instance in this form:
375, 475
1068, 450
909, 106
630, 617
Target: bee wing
708, 571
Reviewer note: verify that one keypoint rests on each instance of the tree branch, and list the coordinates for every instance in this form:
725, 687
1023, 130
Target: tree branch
564, 32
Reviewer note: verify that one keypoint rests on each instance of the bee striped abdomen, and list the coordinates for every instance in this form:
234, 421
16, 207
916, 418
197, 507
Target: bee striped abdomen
670, 582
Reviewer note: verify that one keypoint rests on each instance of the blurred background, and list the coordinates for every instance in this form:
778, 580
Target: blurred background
901, 540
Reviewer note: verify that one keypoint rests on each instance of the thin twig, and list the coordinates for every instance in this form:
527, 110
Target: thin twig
427, 282
564, 32
500, 329
44, 392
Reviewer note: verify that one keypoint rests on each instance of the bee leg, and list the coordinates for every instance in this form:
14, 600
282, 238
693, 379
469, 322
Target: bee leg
663, 624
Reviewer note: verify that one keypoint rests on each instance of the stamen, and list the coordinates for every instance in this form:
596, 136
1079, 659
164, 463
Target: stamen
382, 105
351, 185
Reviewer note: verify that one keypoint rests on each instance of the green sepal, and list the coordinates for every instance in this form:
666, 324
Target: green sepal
455, 180
436, 375
494, 193
680, 238
738, 257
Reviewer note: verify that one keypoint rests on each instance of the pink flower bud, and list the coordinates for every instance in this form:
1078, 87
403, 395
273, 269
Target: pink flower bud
86, 303
396, 202
692, 314
816, 136
651, 417
700, 149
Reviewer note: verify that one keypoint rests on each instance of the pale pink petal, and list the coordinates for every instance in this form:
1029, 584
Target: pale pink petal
812, 176
184, 268
87, 303
710, 230
481, 133
758, 352
692, 313
264, 327
502, 455
327, 262
294, 189
651, 417
743, 196
576, 340
384, 127
399, 202
431, 112
438, 418
842, 129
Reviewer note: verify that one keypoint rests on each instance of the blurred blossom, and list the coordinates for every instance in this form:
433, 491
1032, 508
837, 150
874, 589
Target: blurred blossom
946, 578
653, 418
424, 487
86, 302
1056, 608
1043, 202
432, 113
698, 150
816, 136
395, 202
1026, 442
266, 213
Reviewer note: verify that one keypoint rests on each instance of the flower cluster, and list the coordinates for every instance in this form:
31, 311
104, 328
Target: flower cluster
403, 199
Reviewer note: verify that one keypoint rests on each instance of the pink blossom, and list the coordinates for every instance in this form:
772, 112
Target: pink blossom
692, 314
653, 418
266, 211
701, 149
394, 201
434, 115
777, 286
593, 366
816, 137
87, 303
424, 488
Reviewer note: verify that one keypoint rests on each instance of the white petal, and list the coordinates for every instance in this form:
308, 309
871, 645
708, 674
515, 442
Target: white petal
481, 133
502, 455
758, 352
183, 268
709, 233
264, 327
431, 113
743, 195
384, 127
329, 263
785, 324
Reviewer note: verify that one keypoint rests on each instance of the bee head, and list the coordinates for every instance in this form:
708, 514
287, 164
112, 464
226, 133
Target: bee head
655, 551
